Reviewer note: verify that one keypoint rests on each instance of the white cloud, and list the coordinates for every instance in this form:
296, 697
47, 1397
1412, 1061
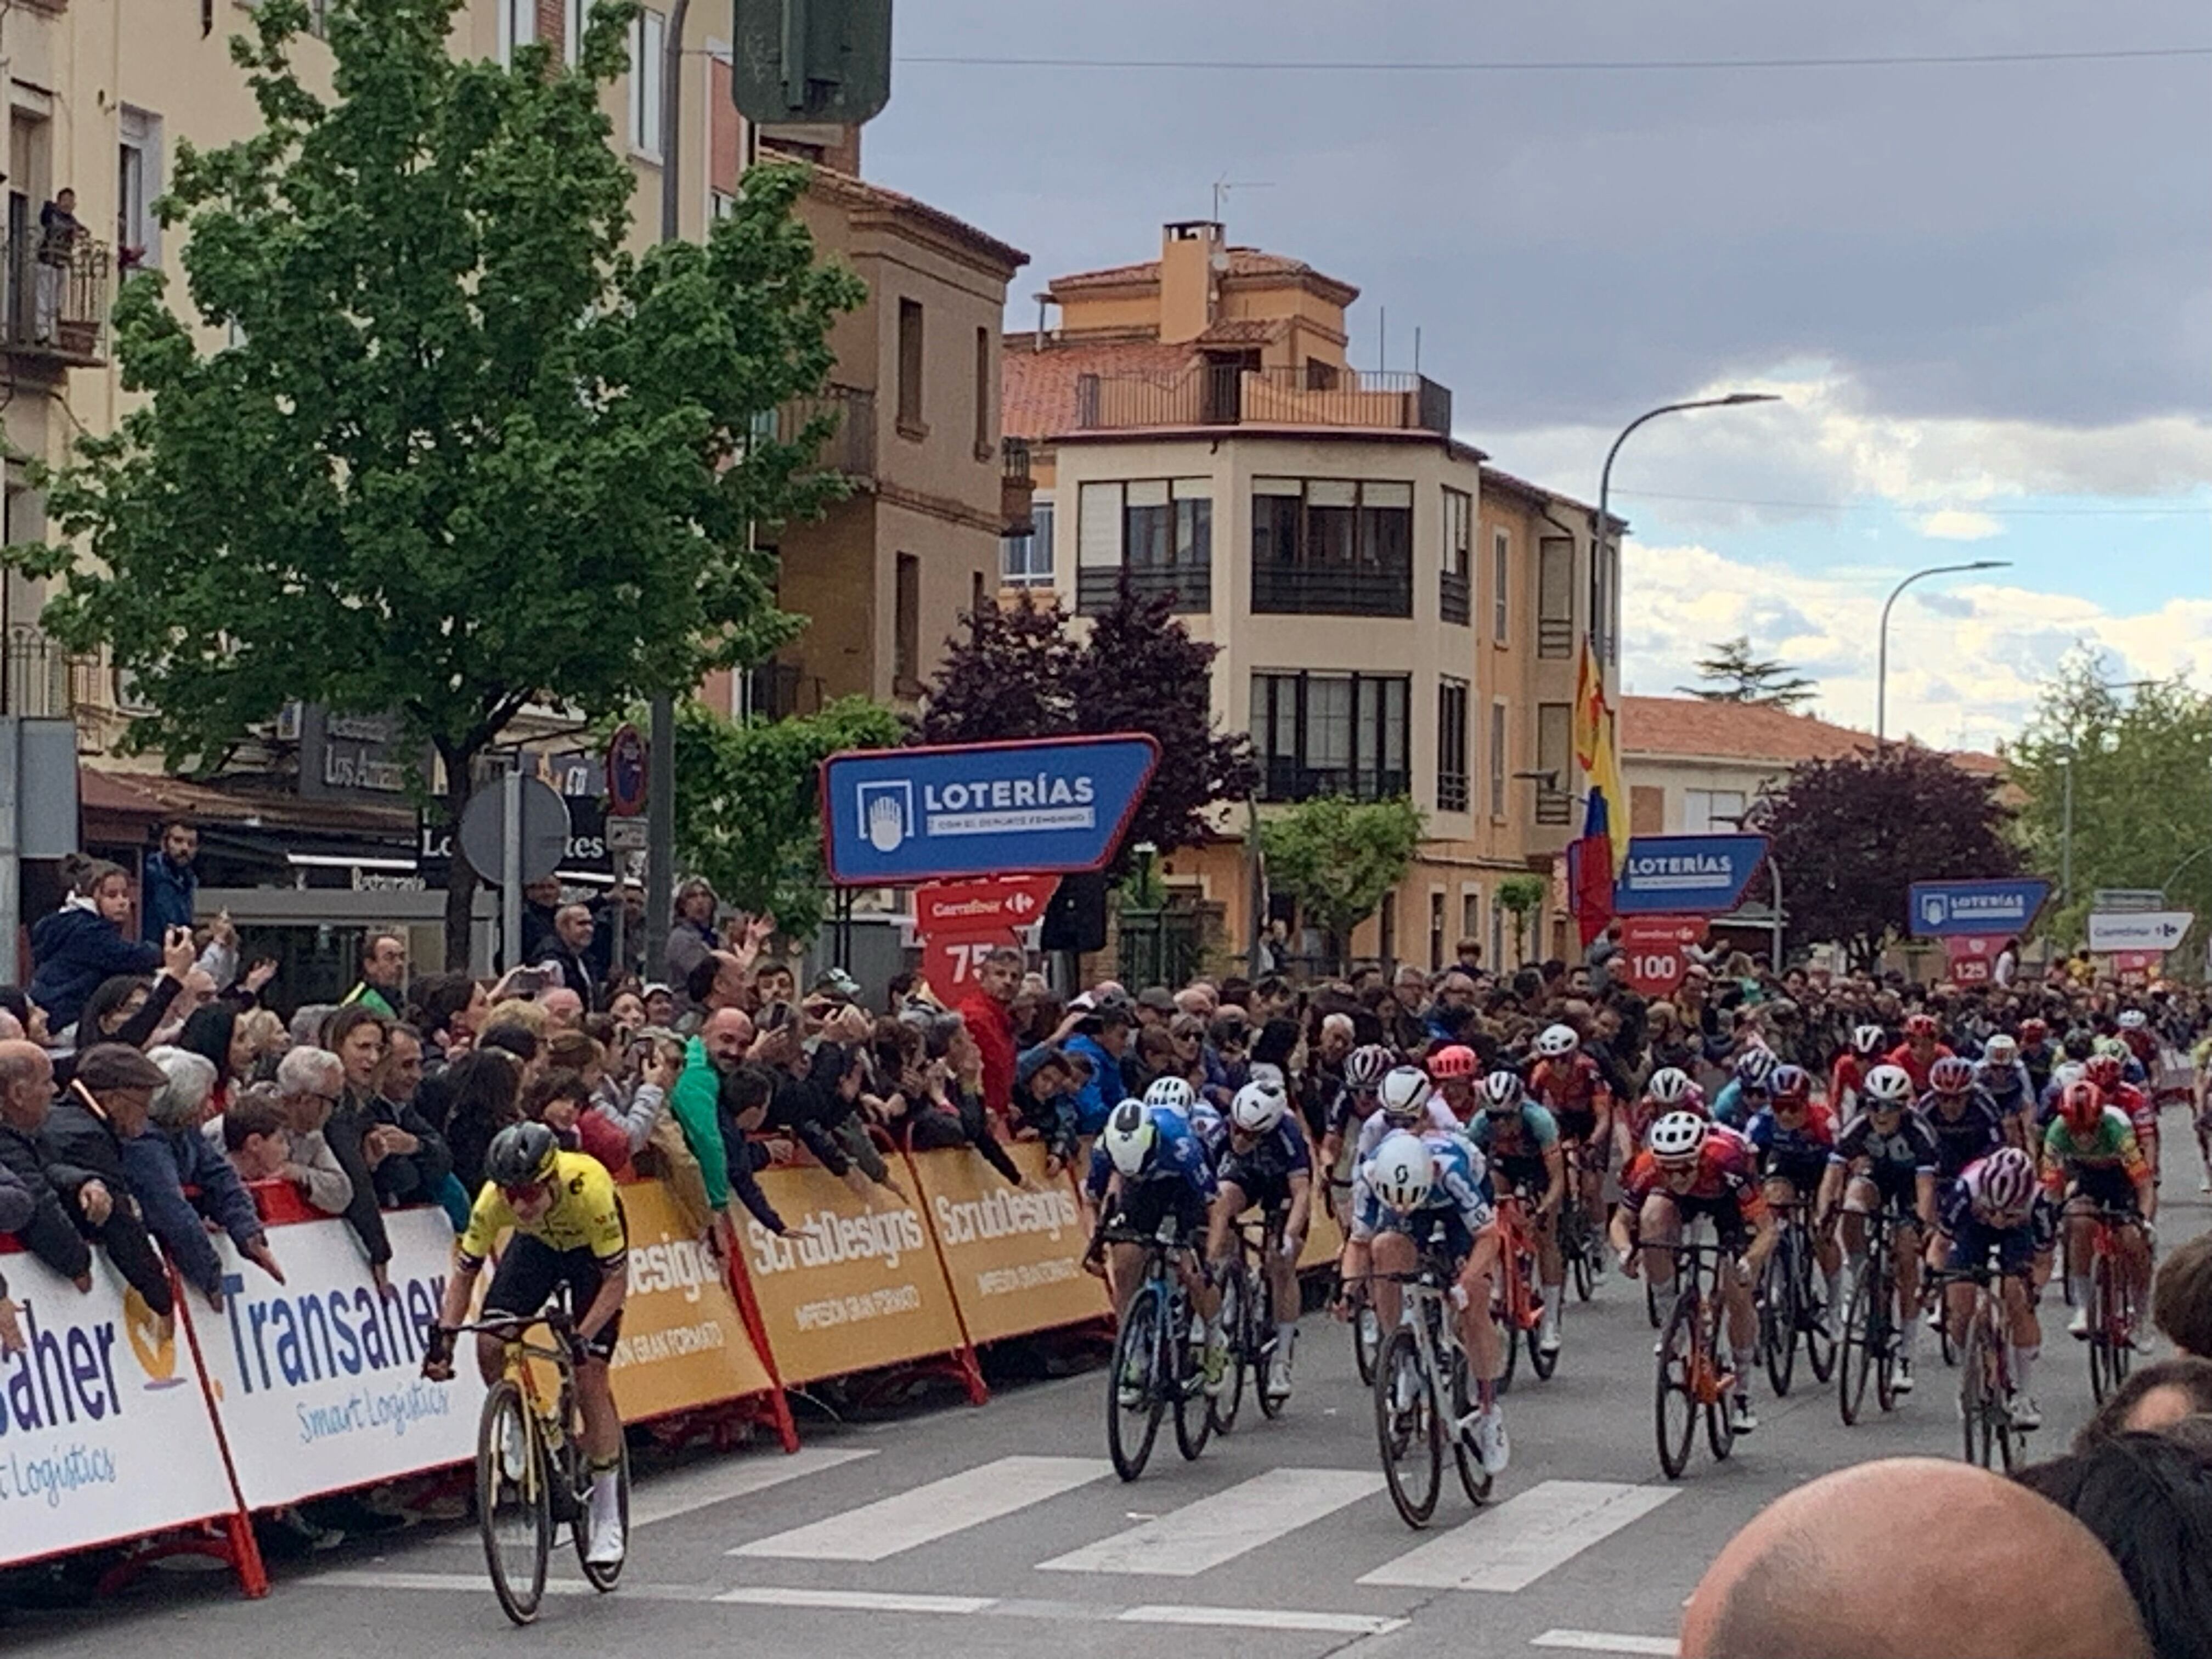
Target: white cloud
1957, 525
1963, 672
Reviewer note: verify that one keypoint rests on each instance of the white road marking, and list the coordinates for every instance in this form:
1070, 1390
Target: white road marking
908, 1519
681, 1491
1341, 1624
363, 1578
1185, 1542
1512, 1546
1598, 1641
761, 1595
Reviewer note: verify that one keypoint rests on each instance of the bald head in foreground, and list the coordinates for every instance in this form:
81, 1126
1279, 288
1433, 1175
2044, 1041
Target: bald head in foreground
1909, 1556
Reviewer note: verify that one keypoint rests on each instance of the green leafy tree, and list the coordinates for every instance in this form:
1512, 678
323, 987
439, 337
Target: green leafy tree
1732, 674
1337, 857
2141, 760
462, 453
748, 806
1521, 897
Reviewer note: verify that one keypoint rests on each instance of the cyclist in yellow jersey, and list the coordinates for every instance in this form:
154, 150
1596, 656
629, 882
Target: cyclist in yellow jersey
567, 1230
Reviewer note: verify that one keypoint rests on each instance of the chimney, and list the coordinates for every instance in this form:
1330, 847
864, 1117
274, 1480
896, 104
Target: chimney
1194, 252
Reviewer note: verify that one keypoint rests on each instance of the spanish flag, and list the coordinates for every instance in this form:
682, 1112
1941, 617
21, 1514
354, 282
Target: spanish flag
1598, 755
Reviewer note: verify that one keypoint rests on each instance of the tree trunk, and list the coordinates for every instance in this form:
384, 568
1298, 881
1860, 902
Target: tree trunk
461, 875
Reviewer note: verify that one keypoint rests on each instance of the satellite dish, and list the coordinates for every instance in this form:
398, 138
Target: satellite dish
1220, 259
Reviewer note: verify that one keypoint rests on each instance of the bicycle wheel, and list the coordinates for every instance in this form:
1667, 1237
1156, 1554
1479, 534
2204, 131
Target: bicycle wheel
1675, 1406
1778, 1315
1579, 1248
1540, 1361
1974, 1393
1408, 1429
1509, 1332
2121, 1352
1262, 1301
601, 1578
514, 1501
1856, 1351
1815, 1318
1132, 1418
1366, 1338
1719, 1427
1473, 1476
1194, 1408
1236, 1324
1882, 1334
2104, 1375
1650, 1302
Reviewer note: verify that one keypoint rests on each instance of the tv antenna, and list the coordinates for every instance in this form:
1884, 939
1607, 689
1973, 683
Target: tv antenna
1225, 183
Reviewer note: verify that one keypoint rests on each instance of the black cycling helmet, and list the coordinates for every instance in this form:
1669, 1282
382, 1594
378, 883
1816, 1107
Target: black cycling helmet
520, 1154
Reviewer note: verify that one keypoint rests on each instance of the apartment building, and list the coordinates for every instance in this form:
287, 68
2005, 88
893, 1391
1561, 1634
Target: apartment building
1196, 428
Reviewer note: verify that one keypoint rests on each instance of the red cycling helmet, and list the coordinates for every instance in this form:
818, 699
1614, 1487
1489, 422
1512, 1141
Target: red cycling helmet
2033, 1031
1920, 1025
2082, 1106
1951, 1075
2104, 1070
1453, 1059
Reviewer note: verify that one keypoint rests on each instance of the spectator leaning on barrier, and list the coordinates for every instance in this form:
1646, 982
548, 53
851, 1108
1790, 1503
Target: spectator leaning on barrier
26, 1094
1045, 1082
313, 1082
104, 1106
988, 1010
255, 1134
177, 1177
16, 1208
404, 1158
1100, 1034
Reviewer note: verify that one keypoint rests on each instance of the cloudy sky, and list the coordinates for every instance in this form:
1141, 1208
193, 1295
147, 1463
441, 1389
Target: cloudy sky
1985, 290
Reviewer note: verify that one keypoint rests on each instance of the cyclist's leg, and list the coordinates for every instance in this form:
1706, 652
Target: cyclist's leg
1478, 1330
1861, 1199
1393, 1253
2079, 1227
1907, 1233
1351, 1269
1125, 1271
1594, 1160
1552, 1272
2022, 1328
1228, 1203
1279, 1260
528, 1272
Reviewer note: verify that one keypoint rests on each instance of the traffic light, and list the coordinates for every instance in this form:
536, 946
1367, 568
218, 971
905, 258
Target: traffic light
810, 60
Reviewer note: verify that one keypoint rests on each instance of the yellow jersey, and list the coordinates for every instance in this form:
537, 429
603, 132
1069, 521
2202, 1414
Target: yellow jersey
585, 1213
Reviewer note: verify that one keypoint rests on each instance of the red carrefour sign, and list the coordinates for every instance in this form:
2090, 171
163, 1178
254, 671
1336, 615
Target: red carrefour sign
2138, 962
1655, 951
981, 907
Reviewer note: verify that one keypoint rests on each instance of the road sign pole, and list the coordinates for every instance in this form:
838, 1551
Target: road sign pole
510, 786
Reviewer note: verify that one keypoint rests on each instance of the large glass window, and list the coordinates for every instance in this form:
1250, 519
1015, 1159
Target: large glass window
1333, 547
1711, 811
1330, 734
1451, 745
1555, 798
1456, 567
1026, 561
1157, 532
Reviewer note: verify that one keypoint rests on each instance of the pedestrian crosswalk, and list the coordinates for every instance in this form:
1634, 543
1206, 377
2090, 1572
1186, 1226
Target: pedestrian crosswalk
1192, 1540
921, 1514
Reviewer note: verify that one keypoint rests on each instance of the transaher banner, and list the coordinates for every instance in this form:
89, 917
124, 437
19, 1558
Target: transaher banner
317, 1381
103, 1429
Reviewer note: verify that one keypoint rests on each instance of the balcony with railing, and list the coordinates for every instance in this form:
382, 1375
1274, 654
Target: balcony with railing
1305, 590
1228, 394
851, 448
57, 299
1190, 586
1455, 595
1283, 778
1017, 488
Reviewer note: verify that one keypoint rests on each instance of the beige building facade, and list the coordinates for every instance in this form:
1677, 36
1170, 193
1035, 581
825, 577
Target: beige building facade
1372, 587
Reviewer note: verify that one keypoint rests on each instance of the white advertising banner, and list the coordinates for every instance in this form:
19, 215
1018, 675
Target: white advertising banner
319, 1380
103, 1430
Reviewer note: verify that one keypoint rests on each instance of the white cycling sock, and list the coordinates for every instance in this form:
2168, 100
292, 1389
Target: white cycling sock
1286, 1336
2023, 1360
1663, 1291
2078, 1284
1908, 1341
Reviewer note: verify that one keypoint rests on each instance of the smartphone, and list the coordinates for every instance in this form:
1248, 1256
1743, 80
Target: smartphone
778, 1014
526, 981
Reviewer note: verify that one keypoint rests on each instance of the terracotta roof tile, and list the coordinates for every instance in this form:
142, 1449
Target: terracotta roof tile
1038, 388
861, 192
1755, 732
1243, 262
1244, 330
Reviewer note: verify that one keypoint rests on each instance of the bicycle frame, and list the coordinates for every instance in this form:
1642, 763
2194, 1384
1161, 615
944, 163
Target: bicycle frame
1986, 1380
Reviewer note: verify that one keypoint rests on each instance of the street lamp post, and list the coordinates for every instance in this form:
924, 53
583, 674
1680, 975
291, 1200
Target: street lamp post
1604, 475
1881, 649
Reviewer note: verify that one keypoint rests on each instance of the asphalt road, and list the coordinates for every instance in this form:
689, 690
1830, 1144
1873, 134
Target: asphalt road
1003, 1531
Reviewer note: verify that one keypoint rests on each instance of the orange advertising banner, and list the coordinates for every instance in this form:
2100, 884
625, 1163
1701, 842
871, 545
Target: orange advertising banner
683, 1340
853, 1286
1014, 1254
1324, 1238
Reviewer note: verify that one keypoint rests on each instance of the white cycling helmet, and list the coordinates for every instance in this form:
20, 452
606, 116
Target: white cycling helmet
1266, 1071
1670, 1086
1401, 1172
2133, 1020
1678, 1137
1556, 1040
1405, 1093
1501, 1090
1888, 1086
1866, 1039
2004, 1181
1258, 1106
1365, 1067
1171, 1094
1130, 1138
2066, 1074
1755, 1066
2000, 1050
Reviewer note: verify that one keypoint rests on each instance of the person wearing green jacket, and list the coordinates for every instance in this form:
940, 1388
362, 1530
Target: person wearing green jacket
715, 1094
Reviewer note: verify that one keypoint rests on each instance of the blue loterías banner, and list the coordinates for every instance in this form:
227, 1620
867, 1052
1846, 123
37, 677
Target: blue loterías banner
1945, 909
894, 816
1686, 875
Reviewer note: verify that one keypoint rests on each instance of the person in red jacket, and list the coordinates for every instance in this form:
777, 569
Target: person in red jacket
1847, 1081
1920, 1050
989, 1011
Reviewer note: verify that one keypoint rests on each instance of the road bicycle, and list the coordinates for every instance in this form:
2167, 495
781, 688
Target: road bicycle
1793, 1304
1153, 1366
1422, 1393
1867, 1344
1693, 1375
1985, 1379
2111, 1300
1577, 1232
1248, 1321
1516, 1303
531, 1473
